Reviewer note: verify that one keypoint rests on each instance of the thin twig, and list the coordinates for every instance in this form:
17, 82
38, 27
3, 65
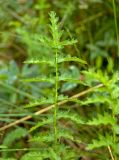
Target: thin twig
110, 152
50, 107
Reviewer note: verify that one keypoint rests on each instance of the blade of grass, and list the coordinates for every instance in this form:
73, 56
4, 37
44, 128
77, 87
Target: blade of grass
116, 26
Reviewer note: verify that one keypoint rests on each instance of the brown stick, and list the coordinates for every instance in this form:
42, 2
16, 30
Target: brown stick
110, 152
50, 107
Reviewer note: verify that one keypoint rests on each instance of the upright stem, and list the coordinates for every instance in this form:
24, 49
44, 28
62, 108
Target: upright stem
116, 26
56, 96
114, 133
116, 29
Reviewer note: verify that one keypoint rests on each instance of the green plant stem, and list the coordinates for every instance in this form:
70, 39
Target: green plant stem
116, 29
56, 97
114, 133
116, 26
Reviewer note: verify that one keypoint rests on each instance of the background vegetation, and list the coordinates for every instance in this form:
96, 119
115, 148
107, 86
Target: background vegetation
62, 76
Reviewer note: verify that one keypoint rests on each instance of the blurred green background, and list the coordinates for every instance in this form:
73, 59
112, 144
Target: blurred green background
91, 22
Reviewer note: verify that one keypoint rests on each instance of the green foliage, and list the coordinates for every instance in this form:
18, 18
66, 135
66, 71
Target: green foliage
14, 135
50, 154
101, 141
61, 115
102, 119
11, 137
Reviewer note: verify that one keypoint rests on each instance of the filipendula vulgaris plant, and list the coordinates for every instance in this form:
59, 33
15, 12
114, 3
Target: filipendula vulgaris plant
104, 117
52, 140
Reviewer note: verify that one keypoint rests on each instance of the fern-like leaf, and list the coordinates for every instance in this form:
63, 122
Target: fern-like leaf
42, 61
71, 116
14, 135
68, 58
68, 42
57, 34
36, 155
42, 123
39, 79
46, 137
102, 119
70, 79
11, 137
39, 102
93, 100
102, 141
61, 115
42, 101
